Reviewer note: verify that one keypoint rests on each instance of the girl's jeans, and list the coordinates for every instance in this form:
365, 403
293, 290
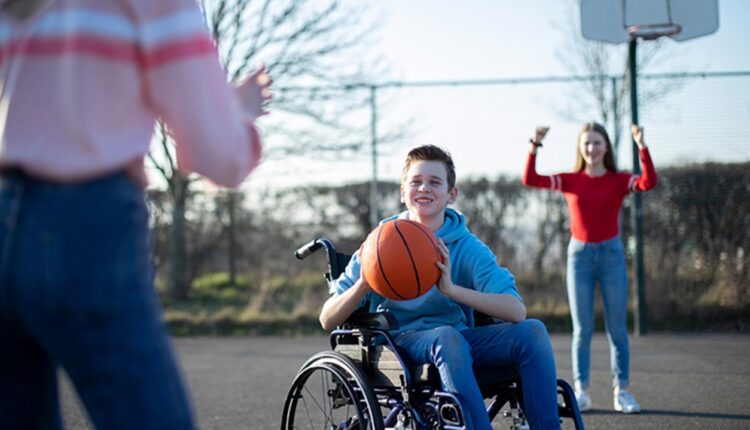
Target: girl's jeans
525, 345
587, 264
76, 292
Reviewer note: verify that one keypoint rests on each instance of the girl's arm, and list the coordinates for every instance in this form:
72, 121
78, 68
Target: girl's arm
647, 180
530, 177
212, 123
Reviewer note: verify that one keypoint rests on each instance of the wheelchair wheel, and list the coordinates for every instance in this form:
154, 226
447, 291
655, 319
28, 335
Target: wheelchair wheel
331, 393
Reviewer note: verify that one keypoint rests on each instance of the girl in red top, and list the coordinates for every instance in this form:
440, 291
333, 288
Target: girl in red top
594, 192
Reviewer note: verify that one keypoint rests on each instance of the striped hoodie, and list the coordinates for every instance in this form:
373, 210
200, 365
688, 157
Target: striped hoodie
83, 81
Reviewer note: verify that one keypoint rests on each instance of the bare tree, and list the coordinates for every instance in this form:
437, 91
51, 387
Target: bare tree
491, 207
606, 87
551, 229
699, 229
178, 186
307, 47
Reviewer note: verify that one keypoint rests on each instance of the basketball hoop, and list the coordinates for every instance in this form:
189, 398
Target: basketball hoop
623, 21
653, 31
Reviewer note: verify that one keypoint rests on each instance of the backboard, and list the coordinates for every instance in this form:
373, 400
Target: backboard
619, 21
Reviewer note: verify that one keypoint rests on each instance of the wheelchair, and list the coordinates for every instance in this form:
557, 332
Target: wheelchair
363, 383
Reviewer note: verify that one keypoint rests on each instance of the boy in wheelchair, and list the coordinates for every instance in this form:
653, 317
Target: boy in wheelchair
439, 327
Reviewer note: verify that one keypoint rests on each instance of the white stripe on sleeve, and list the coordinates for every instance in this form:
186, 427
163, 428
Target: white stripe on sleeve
631, 183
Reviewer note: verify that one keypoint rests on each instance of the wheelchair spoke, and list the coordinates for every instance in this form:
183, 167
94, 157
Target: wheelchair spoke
322, 408
323, 390
328, 394
326, 404
307, 411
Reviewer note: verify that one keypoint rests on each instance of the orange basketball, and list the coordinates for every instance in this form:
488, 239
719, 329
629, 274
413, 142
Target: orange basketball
398, 259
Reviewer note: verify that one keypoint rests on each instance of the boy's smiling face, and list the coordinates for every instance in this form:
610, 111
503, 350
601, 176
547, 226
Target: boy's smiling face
425, 191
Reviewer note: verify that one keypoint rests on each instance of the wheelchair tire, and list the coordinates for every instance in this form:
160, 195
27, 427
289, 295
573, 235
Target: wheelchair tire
331, 392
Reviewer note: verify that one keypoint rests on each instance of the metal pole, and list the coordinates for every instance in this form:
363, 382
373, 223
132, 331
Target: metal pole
640, 324
615, 117
232, 238
374, 216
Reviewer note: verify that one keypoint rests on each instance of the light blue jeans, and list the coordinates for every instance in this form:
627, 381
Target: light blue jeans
76, 292
525, 345
588, 263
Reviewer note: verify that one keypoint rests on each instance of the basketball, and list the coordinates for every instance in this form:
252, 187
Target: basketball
398, 259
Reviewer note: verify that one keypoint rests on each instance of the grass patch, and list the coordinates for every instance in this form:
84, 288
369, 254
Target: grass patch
290, 306
233, 324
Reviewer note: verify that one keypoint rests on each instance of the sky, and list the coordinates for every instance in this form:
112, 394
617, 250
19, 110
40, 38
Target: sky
486, 127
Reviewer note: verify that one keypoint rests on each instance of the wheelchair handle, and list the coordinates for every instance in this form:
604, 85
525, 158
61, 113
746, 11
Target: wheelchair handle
305, 250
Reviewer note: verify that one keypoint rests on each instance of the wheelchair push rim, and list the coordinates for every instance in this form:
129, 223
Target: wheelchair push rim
331, 393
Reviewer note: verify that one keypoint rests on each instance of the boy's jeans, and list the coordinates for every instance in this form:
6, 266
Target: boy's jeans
525, 345
588, 263
76, 291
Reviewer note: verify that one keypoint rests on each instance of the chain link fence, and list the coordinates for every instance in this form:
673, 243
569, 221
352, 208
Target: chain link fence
697, 246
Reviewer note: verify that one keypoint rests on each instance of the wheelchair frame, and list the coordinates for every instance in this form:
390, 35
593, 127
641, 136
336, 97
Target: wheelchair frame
364, 375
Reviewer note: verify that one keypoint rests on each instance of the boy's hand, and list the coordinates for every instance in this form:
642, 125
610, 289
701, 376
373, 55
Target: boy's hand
445, 284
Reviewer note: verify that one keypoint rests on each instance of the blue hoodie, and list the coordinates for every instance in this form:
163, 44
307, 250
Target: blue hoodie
473, 265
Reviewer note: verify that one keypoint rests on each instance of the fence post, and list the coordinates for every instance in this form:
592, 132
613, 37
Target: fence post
374, 216
639, 327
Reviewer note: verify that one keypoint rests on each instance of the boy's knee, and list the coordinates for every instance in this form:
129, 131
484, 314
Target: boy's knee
534, 328
449, 336
534, 333
448, 342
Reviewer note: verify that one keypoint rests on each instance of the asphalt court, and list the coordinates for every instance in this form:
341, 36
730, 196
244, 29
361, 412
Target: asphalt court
683, 381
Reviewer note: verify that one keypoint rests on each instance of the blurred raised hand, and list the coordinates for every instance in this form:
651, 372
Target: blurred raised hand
254, 93
637, 133
539, 134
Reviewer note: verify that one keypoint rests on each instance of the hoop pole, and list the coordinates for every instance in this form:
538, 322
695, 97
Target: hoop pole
640, 314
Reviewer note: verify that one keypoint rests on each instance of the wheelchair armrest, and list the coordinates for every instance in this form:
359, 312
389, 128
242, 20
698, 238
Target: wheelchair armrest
379, 320
482, 319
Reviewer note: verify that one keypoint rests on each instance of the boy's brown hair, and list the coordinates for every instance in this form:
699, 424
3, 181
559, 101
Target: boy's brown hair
431, 153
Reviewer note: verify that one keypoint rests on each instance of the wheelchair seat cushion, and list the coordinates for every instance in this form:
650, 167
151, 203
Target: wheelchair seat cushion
384, 369
496, 375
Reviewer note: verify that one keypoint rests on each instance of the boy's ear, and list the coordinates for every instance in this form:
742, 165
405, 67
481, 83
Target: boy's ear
452, 194
403, 200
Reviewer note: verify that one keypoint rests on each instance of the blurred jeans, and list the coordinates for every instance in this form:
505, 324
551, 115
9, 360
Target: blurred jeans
76, 292
525, 346
603, 262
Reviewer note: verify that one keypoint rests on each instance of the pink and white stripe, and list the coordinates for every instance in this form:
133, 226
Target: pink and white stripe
556, 182
110, 37
632, 181
89, 78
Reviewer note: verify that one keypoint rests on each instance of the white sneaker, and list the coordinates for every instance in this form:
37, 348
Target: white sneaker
625, 402
583, 399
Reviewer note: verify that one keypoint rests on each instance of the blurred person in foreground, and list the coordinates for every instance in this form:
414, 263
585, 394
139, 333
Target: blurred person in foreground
81, 85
